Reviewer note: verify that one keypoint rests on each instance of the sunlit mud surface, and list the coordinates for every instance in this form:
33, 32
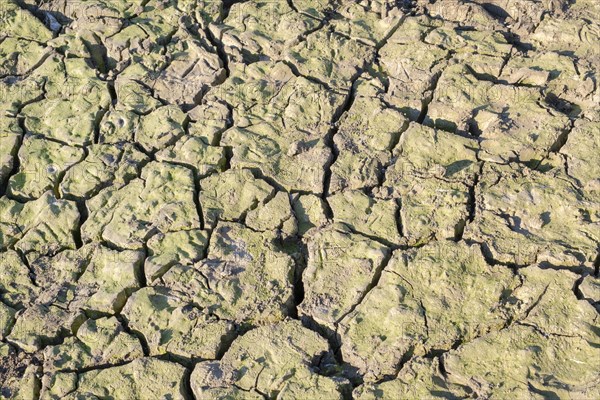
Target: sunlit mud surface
301, 199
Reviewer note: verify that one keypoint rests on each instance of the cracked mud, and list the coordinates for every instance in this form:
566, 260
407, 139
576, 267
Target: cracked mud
301, 199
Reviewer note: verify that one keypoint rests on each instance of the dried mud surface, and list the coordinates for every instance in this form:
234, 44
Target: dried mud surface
301, 199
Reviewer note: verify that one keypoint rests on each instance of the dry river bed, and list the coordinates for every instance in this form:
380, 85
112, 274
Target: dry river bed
299, 199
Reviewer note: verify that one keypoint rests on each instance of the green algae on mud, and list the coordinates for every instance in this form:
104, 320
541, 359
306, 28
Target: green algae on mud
299, 199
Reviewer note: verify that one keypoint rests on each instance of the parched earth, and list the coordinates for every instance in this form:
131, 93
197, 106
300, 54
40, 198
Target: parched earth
302, 199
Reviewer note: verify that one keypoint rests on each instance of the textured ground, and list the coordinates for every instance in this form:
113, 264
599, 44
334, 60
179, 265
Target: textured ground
301, 199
